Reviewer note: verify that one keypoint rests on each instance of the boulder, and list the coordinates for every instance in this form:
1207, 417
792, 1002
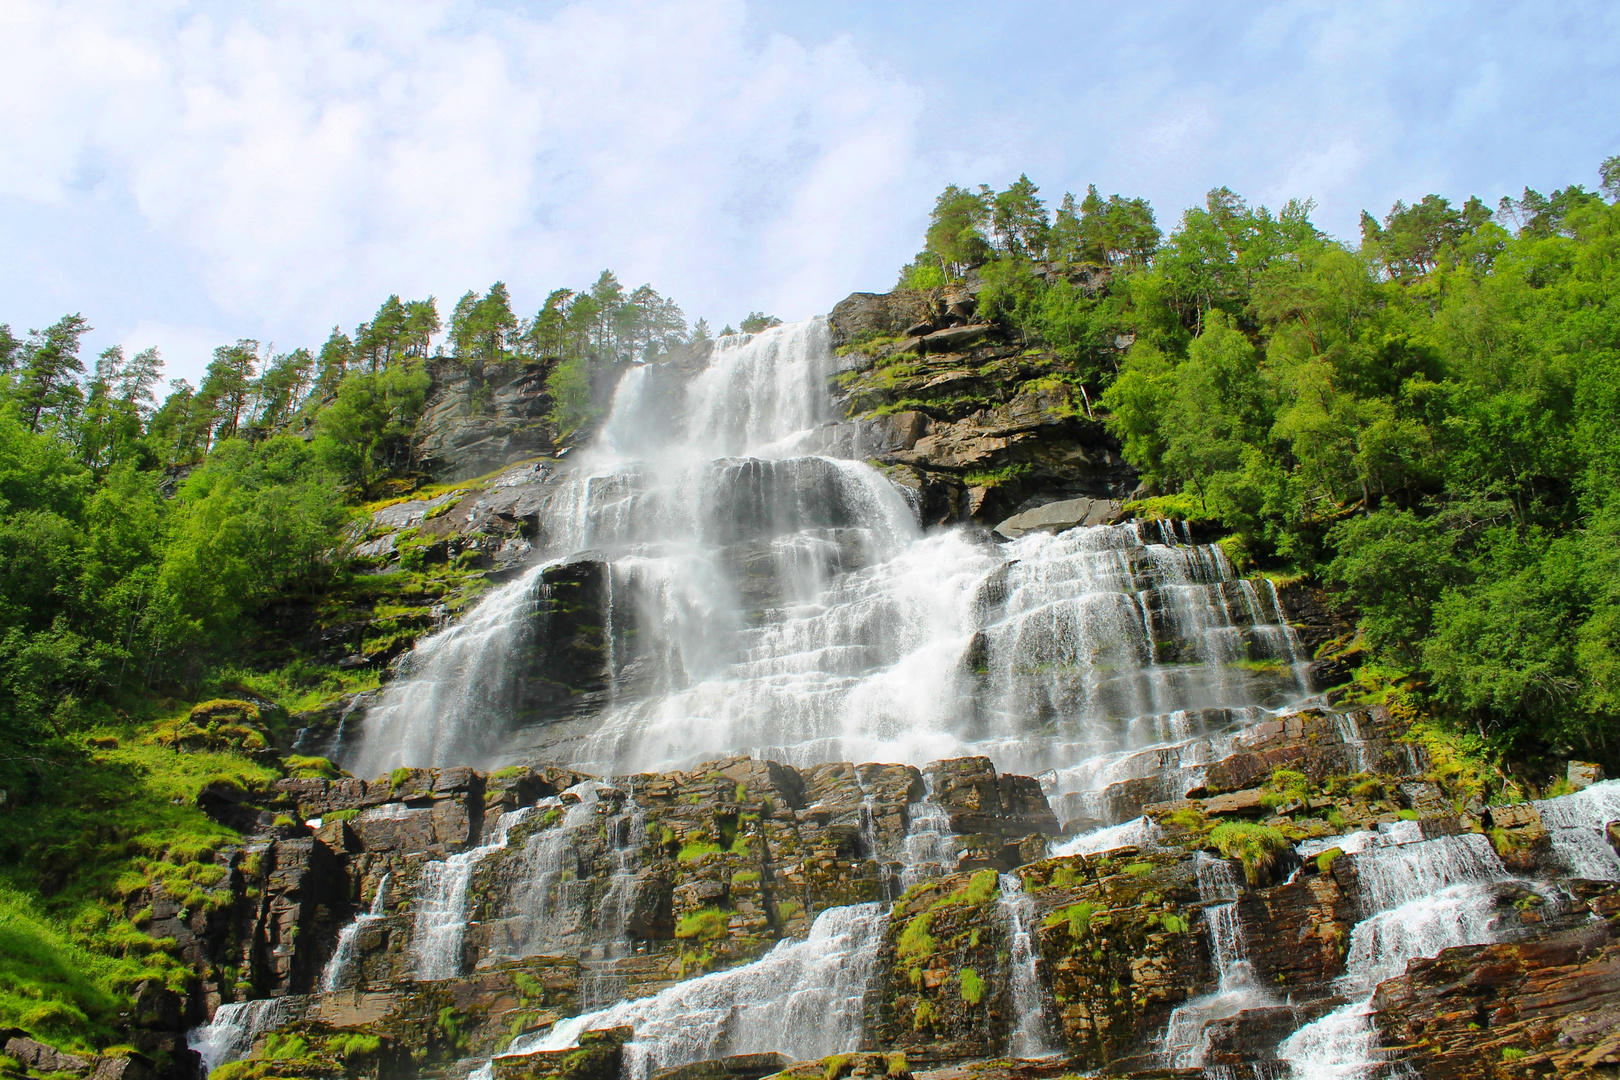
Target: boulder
1583, 774
1058, 516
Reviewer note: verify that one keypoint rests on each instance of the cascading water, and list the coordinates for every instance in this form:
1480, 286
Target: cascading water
1577, 825
1239, 987
336, 974
1138, 832
925, 852
548, 912
462, 678
1423, 896
774, 598
767, 592
441, 905
803, 998
1344, 1044
229, 1035
1032, 1033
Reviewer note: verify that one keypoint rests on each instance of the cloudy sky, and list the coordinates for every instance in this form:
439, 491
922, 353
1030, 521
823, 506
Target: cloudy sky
189, 173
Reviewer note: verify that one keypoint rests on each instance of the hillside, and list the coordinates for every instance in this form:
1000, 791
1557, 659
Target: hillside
731, 642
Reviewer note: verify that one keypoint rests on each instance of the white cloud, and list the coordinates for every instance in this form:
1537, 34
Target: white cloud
311, 158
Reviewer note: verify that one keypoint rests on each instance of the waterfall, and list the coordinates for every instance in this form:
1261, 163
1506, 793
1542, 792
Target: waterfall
772, 597
926, 850
1032, 1033
1182, 1044
229, 1035
804, 999
453, 689
1397, 874
549, 909
1138, 832
335, 974
1344, 1043
1423, 896
440, 902
1576, 824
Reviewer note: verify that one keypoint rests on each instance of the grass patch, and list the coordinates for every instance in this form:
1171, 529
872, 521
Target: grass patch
706, 924
1077, 916
916, 941
693, 850
1256, 845
1182, 506
972, 986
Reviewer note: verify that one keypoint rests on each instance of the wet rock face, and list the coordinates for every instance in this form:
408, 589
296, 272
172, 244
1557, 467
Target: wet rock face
941, 994
651, 878
1547, 1007
1121, 939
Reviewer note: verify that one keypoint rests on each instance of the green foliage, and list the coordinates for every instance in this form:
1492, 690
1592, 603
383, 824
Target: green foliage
1325, 860
972, 986
1425, 423
696, 849
981, 887
1256, 845
366, 432
1076, 916
916, 941
705, 924
50, 985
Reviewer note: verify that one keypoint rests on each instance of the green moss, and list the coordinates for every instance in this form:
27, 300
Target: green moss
1407, 815
311, 767
924, 1016
1326, 859
399, 776
511, 772
341, 815
706, 924
1139, 869
745, 877
1513, 1053
972, 986
696, 849
896, 1064
741, 794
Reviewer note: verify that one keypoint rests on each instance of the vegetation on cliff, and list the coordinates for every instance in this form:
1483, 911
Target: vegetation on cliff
1424, 420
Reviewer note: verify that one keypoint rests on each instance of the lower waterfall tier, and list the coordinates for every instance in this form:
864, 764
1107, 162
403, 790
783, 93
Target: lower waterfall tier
1294, 914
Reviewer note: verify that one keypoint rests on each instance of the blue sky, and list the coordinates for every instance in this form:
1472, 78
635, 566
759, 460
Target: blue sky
190, 173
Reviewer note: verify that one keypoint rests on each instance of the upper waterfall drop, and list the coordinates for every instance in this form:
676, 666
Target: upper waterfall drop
764, 591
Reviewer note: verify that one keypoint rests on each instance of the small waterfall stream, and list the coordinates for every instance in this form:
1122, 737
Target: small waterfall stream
1033, 1028
1239, 988
1425, 896
1576, 824
441, 905
230, 1034
803, 998
336, 974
